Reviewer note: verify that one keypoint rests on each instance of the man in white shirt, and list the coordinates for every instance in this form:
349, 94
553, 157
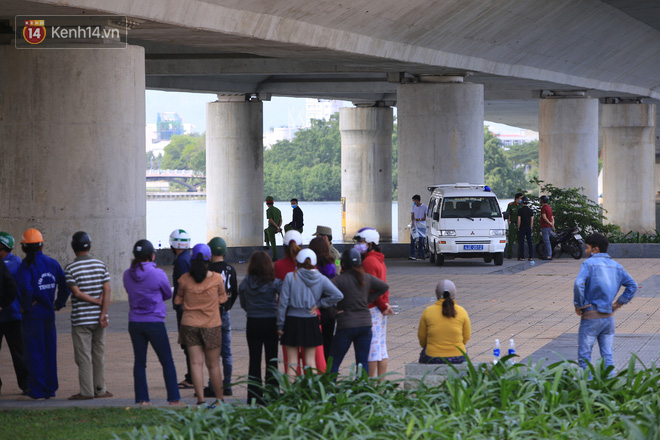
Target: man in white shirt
417, 227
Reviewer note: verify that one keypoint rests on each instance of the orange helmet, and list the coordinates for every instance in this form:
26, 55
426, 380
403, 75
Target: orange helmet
32, 236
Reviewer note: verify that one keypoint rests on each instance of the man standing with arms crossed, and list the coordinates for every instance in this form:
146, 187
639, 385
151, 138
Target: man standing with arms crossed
595, 288
547, 225
89, 281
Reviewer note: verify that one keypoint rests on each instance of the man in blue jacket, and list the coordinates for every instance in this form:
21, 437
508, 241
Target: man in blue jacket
38, 277
10, 316
595, 289
180, 245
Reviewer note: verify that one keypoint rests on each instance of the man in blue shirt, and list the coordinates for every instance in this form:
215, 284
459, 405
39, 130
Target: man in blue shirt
595, 288
180, 245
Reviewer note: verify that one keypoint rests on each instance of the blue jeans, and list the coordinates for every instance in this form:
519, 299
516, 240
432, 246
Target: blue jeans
360, 337
420, 249
601, 329
225, 350
142, 333
545, 233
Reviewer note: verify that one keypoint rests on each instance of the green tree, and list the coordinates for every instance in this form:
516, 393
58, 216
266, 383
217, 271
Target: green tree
186, 152
153, 161
500, 174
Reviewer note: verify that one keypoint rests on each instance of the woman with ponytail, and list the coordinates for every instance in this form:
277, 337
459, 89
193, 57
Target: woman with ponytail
444, 328
201, 291
292, 245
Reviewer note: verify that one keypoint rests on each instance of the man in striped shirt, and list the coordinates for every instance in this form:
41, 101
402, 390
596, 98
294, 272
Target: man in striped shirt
89, 282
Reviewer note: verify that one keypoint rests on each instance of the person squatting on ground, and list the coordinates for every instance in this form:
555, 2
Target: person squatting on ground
303, 293
258, 295
417, 227
373, 263
148, 288
297, 220
218, 250
512, 221
594, 291
180, 246
201, 291
353, 316
525, 225
444, 328
38, 277
10, 316
274, 220
547, 225
326, 265
89, 282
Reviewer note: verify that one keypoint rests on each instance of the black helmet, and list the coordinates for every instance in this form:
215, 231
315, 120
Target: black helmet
143, 249
350, 258
525, 200
81, 241
544, 199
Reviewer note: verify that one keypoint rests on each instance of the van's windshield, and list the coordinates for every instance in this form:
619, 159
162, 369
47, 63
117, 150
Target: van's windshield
471, 207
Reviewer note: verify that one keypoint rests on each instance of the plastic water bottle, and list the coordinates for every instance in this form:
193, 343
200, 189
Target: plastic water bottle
512, 350
531, 263
496, 352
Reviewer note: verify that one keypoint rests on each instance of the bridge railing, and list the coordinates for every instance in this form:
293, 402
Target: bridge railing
174, 173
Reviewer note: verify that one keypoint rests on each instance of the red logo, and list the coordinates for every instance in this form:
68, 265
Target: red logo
34, 31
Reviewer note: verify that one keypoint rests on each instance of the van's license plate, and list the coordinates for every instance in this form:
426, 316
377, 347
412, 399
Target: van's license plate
473, 247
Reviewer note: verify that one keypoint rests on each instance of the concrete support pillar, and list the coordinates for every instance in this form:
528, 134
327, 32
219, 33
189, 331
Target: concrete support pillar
440, 140
629, 165
235, 207
72, 142
366, 168
568, 144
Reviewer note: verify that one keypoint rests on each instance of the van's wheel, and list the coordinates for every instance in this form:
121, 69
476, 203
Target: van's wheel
498, 258
488, 259
439, 260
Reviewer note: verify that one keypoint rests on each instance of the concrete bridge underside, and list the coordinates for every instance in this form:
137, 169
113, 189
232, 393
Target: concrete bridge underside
583, 72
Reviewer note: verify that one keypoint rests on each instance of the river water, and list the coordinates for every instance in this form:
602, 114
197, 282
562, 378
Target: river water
163, 216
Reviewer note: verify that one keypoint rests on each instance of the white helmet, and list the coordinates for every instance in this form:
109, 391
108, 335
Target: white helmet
370, 235
293, 235
179, 239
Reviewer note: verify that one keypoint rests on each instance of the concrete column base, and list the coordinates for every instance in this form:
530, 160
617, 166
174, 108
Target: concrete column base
366, 165
72, 141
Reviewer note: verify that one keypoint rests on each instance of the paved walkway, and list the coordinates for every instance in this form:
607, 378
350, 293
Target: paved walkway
533, 303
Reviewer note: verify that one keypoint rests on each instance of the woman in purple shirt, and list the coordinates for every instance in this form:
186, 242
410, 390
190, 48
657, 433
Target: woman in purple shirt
148, 288
325, 265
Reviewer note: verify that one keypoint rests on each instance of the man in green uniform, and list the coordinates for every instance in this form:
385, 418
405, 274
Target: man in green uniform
512, 232
274, 219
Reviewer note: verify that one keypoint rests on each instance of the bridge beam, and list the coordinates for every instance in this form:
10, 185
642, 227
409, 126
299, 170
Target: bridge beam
568, 144
72, 143
366, 164
441, 140
234, 172
629, 165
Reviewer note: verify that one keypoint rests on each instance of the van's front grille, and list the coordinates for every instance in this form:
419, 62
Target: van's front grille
474, 242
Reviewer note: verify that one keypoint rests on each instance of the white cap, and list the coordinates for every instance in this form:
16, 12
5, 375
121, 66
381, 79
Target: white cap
305, 254
293, 235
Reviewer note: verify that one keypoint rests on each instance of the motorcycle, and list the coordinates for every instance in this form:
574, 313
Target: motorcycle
568, 241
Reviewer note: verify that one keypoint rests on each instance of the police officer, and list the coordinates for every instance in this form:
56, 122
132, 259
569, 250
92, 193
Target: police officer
512, 232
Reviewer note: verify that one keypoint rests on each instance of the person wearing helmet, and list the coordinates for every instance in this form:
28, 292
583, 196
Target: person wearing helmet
303, 293
353, 316
525, 225
148, 288
10, 316
89, 282
201, 291
274, 220
547, 225
512, 232
292, 245
373, 263
218, 250
444, 328
38, 278
180, 245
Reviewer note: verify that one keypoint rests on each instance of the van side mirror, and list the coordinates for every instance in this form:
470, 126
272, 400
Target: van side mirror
505, 216
436, 216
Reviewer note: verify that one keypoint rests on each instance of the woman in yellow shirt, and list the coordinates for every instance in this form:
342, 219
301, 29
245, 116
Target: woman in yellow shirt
444, 328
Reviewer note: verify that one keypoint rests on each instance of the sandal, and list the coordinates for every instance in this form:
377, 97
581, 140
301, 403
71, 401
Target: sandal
106, 394
183, 385
80, 397
521, 259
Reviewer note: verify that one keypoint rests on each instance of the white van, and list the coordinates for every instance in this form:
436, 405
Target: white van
464, 221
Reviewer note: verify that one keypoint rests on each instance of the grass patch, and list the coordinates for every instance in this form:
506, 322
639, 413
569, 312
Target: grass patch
77, 423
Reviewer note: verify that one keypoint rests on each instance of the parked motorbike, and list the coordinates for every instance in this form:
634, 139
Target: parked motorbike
568, 241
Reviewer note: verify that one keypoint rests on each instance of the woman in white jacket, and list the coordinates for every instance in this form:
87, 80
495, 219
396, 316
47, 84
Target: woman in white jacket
303, 292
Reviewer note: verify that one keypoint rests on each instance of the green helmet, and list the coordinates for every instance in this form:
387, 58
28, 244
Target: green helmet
218, 246
7, 240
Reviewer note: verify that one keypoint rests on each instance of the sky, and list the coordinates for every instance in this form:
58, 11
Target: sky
278, 112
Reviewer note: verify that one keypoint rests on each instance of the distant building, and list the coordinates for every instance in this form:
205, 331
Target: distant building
168, 124
518, 137
279, 134
322, 108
